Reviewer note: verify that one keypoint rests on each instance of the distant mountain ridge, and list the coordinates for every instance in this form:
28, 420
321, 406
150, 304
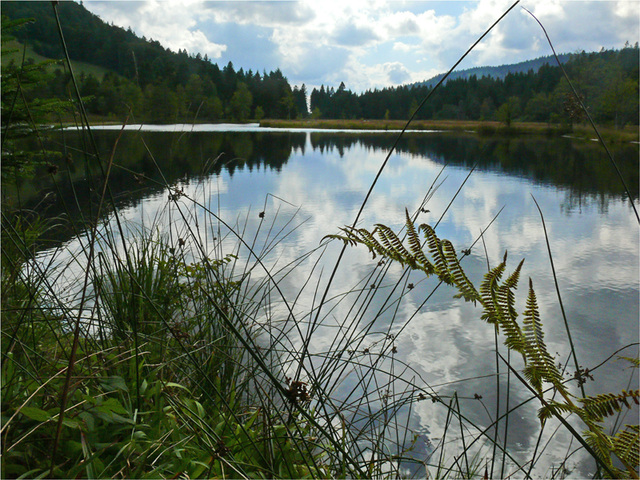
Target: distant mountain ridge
500, 71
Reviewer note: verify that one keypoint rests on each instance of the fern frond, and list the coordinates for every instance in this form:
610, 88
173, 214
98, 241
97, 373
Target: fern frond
466, 288
606, 404
366, 238
626, 446
498, 302
540, 365
488, 289
602, 446
554, 409
437, 255
395, 248
506, 295
635, 361
346, 239
415, 246
514, 278
497, 299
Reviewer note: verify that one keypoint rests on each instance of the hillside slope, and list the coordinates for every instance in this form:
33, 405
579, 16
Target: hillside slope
499, 72
156, 83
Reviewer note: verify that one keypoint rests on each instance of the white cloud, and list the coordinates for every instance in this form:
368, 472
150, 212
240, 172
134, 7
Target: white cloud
402, 23
396, 72
352, 35
372, 43
173, 25
196, 41
261, 13
403, 47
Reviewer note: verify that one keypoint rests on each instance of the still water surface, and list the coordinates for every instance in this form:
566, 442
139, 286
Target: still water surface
310, 183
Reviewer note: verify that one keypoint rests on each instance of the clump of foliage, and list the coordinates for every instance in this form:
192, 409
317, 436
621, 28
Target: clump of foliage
24, 112
161, 386
147, 375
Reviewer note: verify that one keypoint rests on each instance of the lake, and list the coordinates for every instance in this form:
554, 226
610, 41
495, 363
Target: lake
284, 191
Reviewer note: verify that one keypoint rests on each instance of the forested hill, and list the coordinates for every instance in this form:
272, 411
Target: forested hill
606, 80
158, 84
500, 71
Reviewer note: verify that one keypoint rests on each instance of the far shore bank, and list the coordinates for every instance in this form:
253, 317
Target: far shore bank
630, 133
486, 128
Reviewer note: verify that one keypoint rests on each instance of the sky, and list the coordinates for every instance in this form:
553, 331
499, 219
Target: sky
371, 44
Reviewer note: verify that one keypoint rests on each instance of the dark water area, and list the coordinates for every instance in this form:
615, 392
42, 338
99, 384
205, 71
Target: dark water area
142, 168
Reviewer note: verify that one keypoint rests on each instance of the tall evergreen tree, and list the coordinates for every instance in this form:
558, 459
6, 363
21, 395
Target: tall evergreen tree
241, 101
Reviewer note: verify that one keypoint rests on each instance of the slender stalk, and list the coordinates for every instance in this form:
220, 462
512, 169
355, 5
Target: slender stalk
555, 281
444, 437
92, 242
506, 422
464, 447
569, 427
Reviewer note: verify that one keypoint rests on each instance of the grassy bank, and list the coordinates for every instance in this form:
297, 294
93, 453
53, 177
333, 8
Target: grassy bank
628, 134
18, 50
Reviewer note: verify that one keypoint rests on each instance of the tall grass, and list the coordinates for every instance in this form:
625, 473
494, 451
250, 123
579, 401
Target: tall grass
167, 347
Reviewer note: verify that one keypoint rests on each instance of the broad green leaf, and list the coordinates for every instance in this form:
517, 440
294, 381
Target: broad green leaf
32, 473
35, 413
71, 423
114, 383
115, 406
252, 419
200, 468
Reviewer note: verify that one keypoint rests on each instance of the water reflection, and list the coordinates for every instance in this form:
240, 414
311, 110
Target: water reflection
319, 179
579, 168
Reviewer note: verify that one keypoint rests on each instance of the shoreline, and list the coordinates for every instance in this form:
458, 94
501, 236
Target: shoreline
483, 128
489, 128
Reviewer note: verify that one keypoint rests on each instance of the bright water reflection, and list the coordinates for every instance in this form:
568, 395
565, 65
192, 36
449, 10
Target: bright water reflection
320, 179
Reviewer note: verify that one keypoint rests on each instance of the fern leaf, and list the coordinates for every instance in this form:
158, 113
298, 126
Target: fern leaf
603, 446
626, 445
369, 240
498, 303
506, 295
497, 299
466, 288
415, 246
554, 409
635, 361
346, 239
607, 404
395, 247
437, 255
540, 365
514, 278
487, 293
622, 445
